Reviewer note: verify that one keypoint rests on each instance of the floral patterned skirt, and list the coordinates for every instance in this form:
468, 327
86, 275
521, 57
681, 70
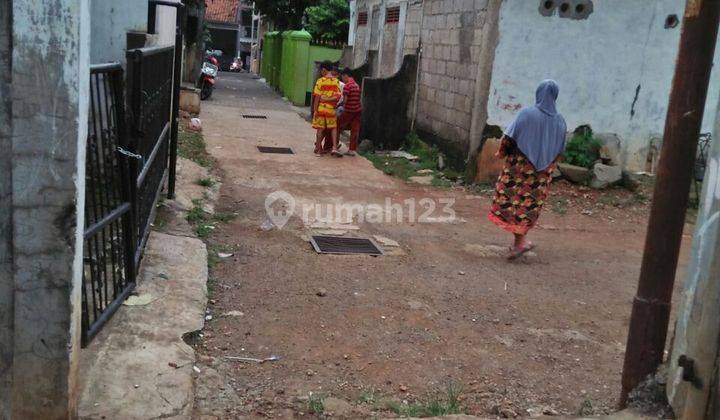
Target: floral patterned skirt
520, 193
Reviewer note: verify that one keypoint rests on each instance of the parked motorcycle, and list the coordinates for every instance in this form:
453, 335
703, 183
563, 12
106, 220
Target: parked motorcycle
236, 65
208, 77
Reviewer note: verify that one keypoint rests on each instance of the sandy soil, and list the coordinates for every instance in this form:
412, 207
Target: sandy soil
444, 309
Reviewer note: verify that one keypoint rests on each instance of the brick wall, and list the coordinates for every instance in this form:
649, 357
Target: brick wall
451, 35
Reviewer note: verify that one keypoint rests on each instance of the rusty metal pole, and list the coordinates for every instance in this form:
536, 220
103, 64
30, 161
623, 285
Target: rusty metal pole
651, 306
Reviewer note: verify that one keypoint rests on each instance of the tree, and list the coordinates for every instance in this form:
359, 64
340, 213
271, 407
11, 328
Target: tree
329, 20
285, 14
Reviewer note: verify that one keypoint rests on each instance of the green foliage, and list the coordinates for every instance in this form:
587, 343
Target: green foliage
285, 14
205, 182
196, 214
191, 145
443, 405
329, 21
315, 404
582, 150
403, 168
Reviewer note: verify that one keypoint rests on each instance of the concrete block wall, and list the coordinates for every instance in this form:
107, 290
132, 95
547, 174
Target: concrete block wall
452, 34
412, 28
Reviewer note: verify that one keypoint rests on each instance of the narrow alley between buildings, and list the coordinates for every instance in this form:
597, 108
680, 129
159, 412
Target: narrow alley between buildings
443, 316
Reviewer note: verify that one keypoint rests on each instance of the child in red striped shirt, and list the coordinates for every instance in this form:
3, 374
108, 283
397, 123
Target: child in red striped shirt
352, 110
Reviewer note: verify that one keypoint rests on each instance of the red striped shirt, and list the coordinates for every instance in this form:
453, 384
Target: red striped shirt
352, 96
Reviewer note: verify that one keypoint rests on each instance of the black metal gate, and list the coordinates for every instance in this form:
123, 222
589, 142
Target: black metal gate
109, 267
131, 149
150, 87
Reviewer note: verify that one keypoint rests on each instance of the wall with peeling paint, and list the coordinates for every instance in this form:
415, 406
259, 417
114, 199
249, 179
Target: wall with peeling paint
111, 20
614, 68
6, 278
47, 129
696, 330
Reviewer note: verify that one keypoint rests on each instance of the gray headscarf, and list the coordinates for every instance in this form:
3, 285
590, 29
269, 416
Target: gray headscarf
539, 130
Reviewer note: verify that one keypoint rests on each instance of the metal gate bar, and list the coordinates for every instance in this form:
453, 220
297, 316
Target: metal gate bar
150, 82
109, 272
180, 16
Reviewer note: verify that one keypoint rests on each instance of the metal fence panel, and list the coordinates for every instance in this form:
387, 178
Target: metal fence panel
109, 273
150, 84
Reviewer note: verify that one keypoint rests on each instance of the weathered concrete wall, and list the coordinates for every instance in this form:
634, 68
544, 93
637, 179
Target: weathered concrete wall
454, 37
353, 18
49, 129
614, 67
696, 330
111, 20
388, 49
386, 101
6, 278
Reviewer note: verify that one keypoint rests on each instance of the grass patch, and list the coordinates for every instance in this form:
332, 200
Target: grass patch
214, 251
205, 182
211, 286
441, 405
203, 222
199, 219
559, 206
404, 169
204, 230
369, 397
191, 145
315, 404
196, 214
222, 217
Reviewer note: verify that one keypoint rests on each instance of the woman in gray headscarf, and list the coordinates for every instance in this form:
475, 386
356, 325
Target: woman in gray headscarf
530, 146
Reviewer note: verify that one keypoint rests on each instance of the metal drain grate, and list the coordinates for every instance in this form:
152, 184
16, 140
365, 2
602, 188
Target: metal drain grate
279, 150
339, 245
256, 117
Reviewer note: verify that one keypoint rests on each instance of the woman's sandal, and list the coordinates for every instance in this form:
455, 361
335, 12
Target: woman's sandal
517, 252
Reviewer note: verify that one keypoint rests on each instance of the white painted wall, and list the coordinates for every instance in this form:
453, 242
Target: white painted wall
110, 20
165, 25
353, 22
598, 62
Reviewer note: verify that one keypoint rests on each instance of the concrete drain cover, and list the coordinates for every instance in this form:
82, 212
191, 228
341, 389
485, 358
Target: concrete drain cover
341, 245
255, 117
280, 150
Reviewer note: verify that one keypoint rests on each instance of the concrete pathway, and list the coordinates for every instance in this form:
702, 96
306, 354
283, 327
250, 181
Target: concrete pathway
139, 366
442, 307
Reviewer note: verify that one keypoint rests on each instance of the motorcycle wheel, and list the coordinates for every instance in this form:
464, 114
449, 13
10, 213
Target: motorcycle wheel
206, 91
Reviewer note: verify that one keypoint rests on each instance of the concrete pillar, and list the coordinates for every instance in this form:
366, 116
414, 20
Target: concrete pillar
49, 101
483, 75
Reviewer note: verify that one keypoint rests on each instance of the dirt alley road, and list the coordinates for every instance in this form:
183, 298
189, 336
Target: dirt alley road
548, 330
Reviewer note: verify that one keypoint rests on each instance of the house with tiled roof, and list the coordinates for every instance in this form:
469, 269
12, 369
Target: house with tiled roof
233, 27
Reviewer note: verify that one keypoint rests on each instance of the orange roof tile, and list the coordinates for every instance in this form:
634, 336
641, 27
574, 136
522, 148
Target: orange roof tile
225, 11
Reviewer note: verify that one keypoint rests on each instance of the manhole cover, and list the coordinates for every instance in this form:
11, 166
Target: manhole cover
280, 150
256, 117
340, 245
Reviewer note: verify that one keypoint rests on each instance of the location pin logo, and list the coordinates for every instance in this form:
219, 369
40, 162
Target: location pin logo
279, 206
